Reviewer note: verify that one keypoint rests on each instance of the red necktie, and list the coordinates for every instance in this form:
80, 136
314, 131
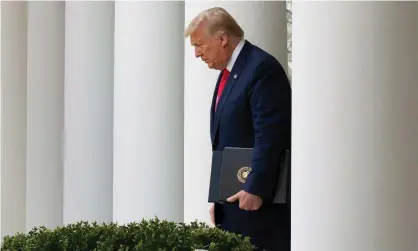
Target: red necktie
224, 78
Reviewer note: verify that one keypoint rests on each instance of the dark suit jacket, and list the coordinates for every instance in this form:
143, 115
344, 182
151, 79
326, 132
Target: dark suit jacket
254, 111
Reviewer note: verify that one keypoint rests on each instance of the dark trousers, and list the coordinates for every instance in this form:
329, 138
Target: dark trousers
269, 240
268, 230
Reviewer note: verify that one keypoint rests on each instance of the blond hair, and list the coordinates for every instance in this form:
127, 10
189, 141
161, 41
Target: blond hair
217, 19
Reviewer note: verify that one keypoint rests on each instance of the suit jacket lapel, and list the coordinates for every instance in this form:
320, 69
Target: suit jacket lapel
233, 77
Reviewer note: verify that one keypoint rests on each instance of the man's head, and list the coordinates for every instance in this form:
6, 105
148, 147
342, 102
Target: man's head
214, 33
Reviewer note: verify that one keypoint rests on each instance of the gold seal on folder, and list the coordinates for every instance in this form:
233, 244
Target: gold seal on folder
243, 173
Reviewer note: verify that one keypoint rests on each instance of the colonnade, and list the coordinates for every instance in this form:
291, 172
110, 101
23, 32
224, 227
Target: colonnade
105, 116
105, 109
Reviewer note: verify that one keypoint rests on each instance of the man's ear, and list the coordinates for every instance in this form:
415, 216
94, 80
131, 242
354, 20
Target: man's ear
223, 38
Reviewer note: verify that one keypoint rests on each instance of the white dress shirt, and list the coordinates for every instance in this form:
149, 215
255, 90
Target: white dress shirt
234, 55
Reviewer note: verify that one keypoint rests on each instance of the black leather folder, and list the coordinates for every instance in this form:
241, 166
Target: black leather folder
236, 165
230, 169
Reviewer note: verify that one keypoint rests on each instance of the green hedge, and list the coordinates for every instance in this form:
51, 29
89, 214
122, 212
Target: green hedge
148, 235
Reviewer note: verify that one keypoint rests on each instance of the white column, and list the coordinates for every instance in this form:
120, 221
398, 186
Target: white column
88, 111
45, 105
355, 126
13, 117
1, 119
148, 123
264, 24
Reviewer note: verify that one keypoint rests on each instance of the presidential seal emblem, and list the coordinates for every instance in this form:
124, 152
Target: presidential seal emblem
243, 173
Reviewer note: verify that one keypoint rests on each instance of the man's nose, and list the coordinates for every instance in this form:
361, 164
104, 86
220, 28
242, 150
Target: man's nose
197, 52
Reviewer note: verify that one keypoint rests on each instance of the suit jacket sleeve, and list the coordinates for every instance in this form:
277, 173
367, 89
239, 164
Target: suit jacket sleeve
270, 102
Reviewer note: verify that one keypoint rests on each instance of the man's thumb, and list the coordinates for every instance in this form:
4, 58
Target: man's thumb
233, 198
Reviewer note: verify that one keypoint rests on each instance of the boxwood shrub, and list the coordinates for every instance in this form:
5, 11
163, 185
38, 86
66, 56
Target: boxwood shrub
147, 235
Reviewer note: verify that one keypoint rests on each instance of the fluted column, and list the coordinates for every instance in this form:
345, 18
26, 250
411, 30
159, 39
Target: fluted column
88, 122
13, 117
148, 121
45, 114
264, 24
355, 126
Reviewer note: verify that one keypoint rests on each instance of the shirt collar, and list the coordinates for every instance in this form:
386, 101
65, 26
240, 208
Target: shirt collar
234, 55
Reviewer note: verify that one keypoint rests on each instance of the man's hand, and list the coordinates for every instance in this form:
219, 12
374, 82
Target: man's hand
212, 213
247, 201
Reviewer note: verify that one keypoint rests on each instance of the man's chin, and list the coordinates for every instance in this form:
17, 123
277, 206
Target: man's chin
212, 67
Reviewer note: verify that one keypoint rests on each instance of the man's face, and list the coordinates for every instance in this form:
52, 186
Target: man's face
211, 49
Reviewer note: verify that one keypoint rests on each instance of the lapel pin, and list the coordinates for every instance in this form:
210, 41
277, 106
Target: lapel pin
235, 76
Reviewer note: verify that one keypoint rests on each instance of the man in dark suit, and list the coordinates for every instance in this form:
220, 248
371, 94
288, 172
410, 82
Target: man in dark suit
251, 108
